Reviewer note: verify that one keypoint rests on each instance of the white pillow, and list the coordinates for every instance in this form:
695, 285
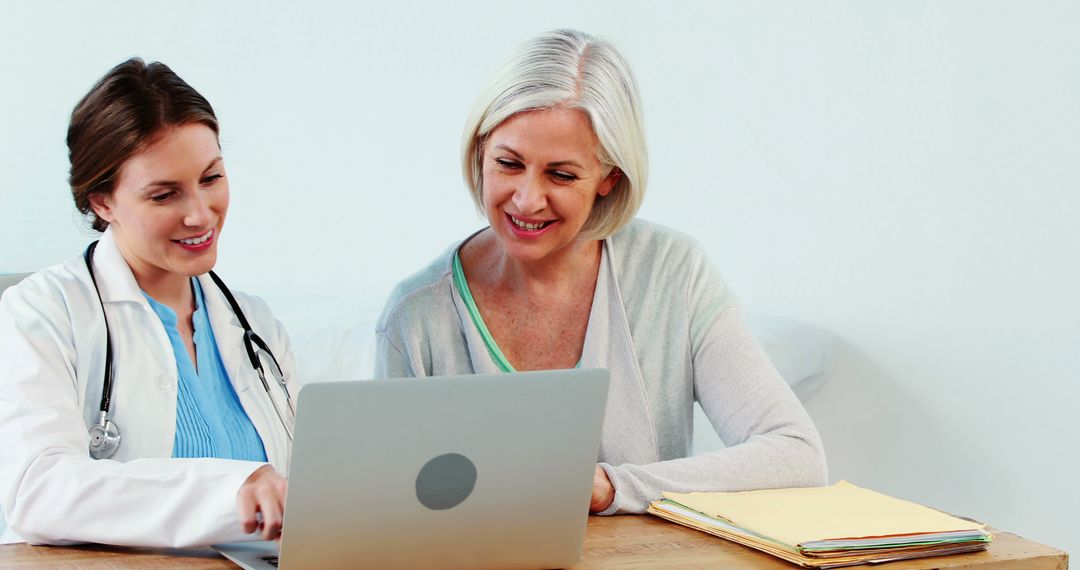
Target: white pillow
802, 353
334, 341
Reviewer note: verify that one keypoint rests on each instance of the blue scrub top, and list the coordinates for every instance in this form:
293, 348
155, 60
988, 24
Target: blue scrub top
210, 422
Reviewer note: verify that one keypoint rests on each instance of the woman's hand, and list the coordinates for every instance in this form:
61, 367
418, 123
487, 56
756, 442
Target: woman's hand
261, 501
603, 493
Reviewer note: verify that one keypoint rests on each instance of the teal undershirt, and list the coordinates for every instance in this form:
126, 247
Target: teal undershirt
462, 287
210, 422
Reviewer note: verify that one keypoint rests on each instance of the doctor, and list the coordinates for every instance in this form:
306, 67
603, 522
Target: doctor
137, 410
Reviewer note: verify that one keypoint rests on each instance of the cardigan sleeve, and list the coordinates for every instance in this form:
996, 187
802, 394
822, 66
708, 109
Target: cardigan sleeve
402, 340
390, 360
419, 333
771, 441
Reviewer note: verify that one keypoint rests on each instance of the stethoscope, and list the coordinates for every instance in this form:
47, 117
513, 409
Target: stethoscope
105, 436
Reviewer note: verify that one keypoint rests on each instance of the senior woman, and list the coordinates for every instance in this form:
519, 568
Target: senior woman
140, 403
554, 154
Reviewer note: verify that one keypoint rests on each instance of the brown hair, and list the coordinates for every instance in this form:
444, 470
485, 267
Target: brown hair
121, 115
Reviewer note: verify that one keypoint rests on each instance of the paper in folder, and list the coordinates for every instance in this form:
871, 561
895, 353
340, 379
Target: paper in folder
825, 527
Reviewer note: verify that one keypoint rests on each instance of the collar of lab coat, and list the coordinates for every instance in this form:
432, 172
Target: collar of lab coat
227, 330
115, 281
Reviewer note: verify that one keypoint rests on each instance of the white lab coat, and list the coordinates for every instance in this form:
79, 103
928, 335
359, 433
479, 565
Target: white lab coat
52, 359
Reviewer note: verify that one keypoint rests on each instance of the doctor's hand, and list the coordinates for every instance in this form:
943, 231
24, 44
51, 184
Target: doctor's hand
603, 492
261, 501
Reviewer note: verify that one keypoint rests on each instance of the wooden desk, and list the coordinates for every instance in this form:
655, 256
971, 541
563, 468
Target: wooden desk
611, 542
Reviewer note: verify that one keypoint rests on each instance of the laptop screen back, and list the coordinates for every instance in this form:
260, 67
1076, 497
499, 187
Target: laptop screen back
468, 471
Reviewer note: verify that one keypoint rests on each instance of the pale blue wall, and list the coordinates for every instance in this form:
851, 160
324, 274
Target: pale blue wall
903, 174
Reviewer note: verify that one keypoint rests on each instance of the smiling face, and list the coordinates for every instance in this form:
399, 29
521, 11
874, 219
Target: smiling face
168, 205
541, 176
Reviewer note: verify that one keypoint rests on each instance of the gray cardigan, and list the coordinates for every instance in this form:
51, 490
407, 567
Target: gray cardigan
669, 331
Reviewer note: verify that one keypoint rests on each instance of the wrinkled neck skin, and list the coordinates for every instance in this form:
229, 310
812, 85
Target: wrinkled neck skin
570, 268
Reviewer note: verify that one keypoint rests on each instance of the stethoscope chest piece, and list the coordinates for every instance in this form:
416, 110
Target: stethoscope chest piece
104, 439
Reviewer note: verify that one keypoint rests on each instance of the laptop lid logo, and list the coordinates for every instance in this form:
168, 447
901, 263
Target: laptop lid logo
445, 481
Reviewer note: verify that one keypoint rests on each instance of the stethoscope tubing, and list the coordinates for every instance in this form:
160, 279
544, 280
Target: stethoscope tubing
252, 340
106, 388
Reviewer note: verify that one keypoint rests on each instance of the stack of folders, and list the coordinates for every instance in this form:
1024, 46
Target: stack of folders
825, 527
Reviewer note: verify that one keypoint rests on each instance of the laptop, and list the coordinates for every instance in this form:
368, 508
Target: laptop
479, 471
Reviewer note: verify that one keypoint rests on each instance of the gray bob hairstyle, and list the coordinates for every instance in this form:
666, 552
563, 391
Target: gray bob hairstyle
575, 70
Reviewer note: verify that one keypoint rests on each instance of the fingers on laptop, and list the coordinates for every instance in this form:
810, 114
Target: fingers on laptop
261, 503
603, 493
